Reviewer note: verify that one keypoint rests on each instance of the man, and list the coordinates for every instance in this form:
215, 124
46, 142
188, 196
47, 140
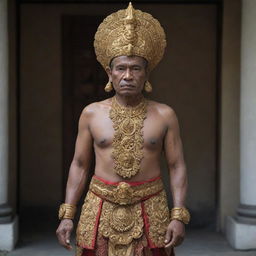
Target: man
125, 211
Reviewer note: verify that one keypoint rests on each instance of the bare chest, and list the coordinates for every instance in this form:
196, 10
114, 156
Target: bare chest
153, 131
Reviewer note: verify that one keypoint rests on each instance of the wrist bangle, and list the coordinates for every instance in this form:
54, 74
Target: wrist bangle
67, 211
181, 214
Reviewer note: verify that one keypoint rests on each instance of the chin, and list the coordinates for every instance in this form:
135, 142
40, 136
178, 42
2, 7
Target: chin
128, 93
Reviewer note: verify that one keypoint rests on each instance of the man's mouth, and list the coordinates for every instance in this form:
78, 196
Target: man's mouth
127, 86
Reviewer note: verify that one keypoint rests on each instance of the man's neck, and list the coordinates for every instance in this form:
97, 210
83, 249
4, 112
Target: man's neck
129, 101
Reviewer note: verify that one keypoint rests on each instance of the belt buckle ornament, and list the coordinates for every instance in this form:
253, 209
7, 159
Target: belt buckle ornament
123, 194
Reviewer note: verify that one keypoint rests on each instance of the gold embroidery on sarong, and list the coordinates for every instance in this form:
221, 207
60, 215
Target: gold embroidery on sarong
128, 138
121, 224
158, 216
88, 221
120, 250
79, 251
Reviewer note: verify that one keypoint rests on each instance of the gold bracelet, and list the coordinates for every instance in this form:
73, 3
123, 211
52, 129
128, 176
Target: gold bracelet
67, 211
181, 214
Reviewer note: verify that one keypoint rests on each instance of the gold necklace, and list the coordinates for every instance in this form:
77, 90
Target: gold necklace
128, 137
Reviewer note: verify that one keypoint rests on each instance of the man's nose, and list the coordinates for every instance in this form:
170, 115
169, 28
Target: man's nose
128, 74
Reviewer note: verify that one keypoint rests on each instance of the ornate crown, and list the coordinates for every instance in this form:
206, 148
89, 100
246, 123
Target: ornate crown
130, 32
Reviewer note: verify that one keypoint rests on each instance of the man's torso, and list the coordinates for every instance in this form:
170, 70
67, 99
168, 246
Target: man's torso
154, 129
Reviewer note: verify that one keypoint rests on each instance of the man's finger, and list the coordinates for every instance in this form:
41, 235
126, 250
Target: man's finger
67, 240
67, 237
173, 241
168, 236
63, 241
61, 237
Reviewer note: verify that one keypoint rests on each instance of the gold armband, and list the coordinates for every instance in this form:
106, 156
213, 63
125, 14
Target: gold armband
181, 214
67, 211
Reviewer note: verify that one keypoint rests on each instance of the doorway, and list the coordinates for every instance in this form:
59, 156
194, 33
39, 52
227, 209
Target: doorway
60, 75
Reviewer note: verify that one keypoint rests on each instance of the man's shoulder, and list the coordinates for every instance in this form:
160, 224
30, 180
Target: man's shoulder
96, 107
162, 109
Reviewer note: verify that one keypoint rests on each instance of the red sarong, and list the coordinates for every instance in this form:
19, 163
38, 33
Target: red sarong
124, 218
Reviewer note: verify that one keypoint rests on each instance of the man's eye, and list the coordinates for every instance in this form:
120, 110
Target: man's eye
120, 68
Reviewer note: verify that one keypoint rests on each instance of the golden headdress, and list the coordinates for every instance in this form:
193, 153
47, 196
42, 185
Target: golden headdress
130, 32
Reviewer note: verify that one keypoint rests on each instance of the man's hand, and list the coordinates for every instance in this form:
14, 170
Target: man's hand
175, 234
63, 233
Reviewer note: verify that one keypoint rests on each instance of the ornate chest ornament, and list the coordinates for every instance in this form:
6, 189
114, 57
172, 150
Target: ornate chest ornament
128, 138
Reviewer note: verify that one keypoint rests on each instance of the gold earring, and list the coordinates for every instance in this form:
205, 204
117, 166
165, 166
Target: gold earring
108, 87
148, 87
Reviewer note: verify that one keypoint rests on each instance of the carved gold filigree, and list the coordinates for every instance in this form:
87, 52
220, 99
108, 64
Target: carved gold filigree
180, 213
121, 224
67, 211
130, 32
158, 216
79, 251
128, 138
124, 193
88, 221
120, 250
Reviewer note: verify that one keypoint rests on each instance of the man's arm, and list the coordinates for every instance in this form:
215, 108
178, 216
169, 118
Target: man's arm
77, 174
178, 177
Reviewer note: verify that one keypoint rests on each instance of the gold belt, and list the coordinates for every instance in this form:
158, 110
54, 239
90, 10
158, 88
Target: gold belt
125, 193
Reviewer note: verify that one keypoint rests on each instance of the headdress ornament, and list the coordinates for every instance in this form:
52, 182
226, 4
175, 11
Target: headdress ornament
130, 32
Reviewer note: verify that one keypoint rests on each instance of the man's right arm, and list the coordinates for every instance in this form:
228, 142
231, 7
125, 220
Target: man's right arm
77, 173
81, 161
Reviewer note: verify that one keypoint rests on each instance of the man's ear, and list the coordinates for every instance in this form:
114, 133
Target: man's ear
109, 72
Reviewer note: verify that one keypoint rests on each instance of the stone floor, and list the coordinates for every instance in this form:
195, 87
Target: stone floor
198, 243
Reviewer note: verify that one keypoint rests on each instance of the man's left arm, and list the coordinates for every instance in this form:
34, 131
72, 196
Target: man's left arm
178, 176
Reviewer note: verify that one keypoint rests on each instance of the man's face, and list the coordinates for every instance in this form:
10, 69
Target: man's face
128, 74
